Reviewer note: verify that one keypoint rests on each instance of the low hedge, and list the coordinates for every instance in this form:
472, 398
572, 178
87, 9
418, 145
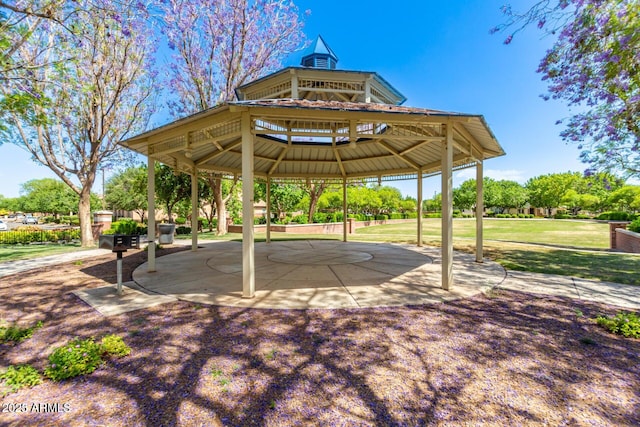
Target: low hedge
24, 237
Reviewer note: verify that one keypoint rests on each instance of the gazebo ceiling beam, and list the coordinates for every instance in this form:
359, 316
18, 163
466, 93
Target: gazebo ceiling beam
436, 165
475, 146
215, 154
421, 144
395, 153
279, 159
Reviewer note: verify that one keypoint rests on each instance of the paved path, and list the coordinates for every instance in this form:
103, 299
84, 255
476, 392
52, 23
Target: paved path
12, 267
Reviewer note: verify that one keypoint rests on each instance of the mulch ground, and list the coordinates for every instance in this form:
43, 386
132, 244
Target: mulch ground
506, 358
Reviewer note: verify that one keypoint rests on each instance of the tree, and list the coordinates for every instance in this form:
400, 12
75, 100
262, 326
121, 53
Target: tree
222, 192
548, 191
625, 198
94, 83
284, 197
594, 65
48, 195
464, 196
512, 195
171, 188
314, 190
221, 44
128, 190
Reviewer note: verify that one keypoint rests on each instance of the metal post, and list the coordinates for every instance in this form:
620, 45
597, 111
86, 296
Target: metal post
119, 272
420, 207
344, 210
268, 209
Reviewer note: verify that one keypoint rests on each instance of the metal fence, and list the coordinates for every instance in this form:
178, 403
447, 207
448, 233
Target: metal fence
24, 237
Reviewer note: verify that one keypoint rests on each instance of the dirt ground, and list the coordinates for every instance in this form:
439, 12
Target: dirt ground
505, 358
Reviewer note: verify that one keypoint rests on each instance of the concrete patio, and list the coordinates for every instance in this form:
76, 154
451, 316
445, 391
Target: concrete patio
316, 274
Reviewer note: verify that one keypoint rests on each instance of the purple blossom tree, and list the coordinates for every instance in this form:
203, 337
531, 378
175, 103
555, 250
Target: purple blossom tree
219, 45
92, 76
594, 66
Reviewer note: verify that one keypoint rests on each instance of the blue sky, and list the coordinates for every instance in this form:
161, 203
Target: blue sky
440, 55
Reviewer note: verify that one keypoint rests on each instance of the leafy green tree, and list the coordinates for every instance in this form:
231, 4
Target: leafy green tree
171, 188
434, 204
284, 197
48, 195
576, 202
390, 199
512, 195
464, 196
548, 191
223, 192
128, 190
625, 198
408, 205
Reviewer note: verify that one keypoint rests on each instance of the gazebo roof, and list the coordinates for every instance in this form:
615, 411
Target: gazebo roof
310, 122
297, 138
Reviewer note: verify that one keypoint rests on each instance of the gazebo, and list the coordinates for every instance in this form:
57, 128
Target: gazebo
319, 122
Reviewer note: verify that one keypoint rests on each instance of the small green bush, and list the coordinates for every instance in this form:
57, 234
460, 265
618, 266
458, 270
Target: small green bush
183, 230
381, 217
20, 376
562, 216
624, 323
78, 357
113, 345
300, 219
180, 220
16, 333
125, 226
635, 226
319, 217
615, 216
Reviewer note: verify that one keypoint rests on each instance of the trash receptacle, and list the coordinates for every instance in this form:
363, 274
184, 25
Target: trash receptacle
166, 233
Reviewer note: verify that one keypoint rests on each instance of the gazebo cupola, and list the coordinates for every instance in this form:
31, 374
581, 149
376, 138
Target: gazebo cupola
322, 56
319, 80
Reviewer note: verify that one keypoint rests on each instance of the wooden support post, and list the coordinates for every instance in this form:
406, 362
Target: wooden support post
420, 208
268, 209
151, 219
194, 209
345, 221
447, 209
248, 264
479, 211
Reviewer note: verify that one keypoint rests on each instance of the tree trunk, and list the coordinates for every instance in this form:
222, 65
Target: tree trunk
84, 213
221, 209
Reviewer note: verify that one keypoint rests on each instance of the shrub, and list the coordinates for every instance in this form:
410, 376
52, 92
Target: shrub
181, 220
319, 217
20, 376
615, 216
635, 226
381, 217
433, 215
78, 357
624, 323
17, 334
113, 345
562, 216
259, 221
125, 226
396, 215
582, 216
183, 230
300, 219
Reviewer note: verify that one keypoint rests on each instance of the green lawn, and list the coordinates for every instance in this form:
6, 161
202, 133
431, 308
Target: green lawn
570, 234
574, 248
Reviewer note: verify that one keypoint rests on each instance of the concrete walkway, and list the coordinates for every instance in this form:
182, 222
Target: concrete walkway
12, 267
